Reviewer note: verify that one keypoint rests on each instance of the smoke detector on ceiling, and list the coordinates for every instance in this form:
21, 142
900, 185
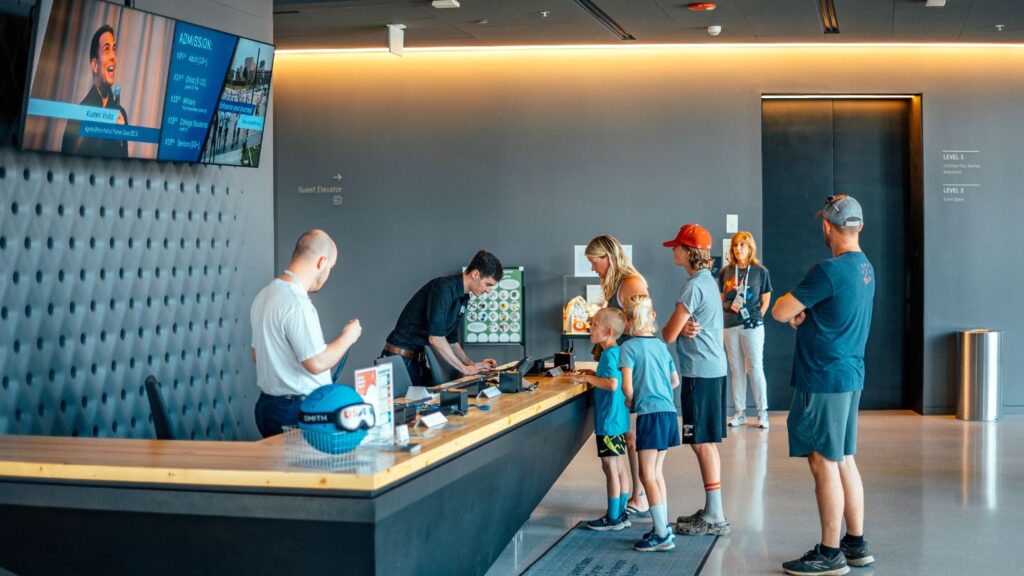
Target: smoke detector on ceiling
445, 3
714, 30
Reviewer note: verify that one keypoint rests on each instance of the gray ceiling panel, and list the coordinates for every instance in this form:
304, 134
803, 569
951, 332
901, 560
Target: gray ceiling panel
361, 23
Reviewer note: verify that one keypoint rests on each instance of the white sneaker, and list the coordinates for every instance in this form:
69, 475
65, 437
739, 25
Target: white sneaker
738, 420
762, 420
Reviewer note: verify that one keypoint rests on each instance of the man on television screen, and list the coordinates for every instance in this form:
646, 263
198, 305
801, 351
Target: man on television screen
104, 93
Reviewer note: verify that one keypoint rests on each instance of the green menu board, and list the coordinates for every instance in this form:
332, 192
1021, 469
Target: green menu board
497, 317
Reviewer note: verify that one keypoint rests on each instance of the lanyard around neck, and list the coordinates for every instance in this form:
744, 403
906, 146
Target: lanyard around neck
295, 277
746, 279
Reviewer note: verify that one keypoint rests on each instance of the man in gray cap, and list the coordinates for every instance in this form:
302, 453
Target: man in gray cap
831, 312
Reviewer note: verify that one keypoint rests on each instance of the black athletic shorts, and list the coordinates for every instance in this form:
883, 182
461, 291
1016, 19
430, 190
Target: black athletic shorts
703, 403
612, 445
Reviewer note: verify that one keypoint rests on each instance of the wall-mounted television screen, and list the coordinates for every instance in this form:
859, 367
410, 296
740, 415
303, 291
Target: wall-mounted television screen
105, 80
236, 132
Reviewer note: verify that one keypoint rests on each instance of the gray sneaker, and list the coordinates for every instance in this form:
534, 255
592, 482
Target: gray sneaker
762, 420
702, 527
692, 518
738, 420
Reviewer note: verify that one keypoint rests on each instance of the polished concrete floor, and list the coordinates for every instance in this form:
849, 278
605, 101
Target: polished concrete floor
942, 497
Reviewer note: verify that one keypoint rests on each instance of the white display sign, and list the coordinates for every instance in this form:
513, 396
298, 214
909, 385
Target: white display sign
376, 387
732, 223
581, 266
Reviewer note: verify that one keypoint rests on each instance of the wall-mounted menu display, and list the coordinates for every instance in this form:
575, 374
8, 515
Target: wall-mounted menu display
106, 80
497, 317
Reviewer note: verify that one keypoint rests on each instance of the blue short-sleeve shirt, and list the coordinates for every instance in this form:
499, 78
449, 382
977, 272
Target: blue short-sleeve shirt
652, 367
839, 295
704, 355
611, 415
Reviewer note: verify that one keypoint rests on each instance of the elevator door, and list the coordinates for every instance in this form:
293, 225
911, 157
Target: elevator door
812, 149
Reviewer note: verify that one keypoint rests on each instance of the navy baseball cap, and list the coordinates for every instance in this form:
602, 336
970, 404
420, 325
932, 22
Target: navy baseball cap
842, 211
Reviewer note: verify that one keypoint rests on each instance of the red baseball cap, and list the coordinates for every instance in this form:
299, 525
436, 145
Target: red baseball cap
691, 235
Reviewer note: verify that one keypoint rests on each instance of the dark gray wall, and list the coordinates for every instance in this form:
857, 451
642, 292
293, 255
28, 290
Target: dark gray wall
527, 153
441, 161
113, 270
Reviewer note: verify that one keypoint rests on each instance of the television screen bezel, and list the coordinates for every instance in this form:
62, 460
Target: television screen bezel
35, 16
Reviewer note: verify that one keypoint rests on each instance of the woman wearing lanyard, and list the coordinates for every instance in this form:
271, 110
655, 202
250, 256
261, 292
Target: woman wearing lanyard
620, 282
746, 289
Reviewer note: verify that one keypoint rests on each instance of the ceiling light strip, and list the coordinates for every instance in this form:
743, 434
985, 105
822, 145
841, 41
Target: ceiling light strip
604, 19
619, 47
838, 96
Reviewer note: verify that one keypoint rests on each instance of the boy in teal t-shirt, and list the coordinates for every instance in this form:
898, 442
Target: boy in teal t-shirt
611, 416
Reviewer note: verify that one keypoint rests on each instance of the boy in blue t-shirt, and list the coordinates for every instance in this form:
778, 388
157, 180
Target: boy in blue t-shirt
611, 416
648, 377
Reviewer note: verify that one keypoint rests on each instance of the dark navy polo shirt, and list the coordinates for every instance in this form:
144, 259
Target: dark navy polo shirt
435, 310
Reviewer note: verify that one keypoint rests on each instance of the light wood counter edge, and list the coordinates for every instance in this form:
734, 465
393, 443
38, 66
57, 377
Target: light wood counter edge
281, 479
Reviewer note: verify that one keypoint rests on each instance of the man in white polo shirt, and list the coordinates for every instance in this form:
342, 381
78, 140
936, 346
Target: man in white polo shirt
292, 359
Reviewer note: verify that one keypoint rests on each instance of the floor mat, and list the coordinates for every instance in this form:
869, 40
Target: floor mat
584, 552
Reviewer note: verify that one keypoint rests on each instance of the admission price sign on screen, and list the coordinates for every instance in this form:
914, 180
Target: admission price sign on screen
198, 61
497, 317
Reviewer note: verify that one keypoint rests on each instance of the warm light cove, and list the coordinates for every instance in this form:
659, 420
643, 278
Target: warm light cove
704, 46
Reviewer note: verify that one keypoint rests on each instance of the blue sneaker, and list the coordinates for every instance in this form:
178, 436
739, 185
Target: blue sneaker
650, 533
605, 523
655, 544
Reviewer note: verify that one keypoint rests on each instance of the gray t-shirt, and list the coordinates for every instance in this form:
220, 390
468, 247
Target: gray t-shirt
755, 281
704, 355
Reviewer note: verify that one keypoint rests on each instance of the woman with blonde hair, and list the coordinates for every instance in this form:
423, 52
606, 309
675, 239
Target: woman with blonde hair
746, 289
620, 282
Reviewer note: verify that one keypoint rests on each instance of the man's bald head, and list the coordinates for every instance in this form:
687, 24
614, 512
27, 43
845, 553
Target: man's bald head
313, 245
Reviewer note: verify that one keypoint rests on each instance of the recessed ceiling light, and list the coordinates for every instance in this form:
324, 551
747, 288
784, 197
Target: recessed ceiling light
701, 6
445, 3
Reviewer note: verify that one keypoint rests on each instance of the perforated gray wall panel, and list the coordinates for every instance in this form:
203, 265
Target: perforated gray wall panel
113, 270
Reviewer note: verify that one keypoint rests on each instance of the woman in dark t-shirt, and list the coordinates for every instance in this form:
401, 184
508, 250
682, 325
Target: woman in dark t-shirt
746, 289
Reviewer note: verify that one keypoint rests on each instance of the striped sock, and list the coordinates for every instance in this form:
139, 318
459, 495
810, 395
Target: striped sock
713, 502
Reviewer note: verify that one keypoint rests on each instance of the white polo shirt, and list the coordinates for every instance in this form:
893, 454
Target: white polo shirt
285, 333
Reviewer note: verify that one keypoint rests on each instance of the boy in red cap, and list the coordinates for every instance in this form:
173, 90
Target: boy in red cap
702, 369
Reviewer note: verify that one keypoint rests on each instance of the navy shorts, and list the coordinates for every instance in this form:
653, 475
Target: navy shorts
703, 410
823, 422
657, 431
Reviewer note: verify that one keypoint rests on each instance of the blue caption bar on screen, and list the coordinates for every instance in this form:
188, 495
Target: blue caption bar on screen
120, 132
51, 109
251, 123
233, 107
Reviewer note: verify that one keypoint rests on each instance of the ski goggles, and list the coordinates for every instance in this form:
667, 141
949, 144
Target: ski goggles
349, 418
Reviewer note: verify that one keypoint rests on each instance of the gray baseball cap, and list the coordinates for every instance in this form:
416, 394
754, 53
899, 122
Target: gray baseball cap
842, 211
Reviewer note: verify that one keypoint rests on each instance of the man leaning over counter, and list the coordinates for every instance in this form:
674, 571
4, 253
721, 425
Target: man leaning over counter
432, 318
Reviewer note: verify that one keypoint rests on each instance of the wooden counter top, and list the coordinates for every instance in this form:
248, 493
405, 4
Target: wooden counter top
260, 464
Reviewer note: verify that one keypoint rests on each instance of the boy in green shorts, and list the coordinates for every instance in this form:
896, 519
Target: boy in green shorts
611, 416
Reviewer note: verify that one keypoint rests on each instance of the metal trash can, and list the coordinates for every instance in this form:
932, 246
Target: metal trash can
979, 376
